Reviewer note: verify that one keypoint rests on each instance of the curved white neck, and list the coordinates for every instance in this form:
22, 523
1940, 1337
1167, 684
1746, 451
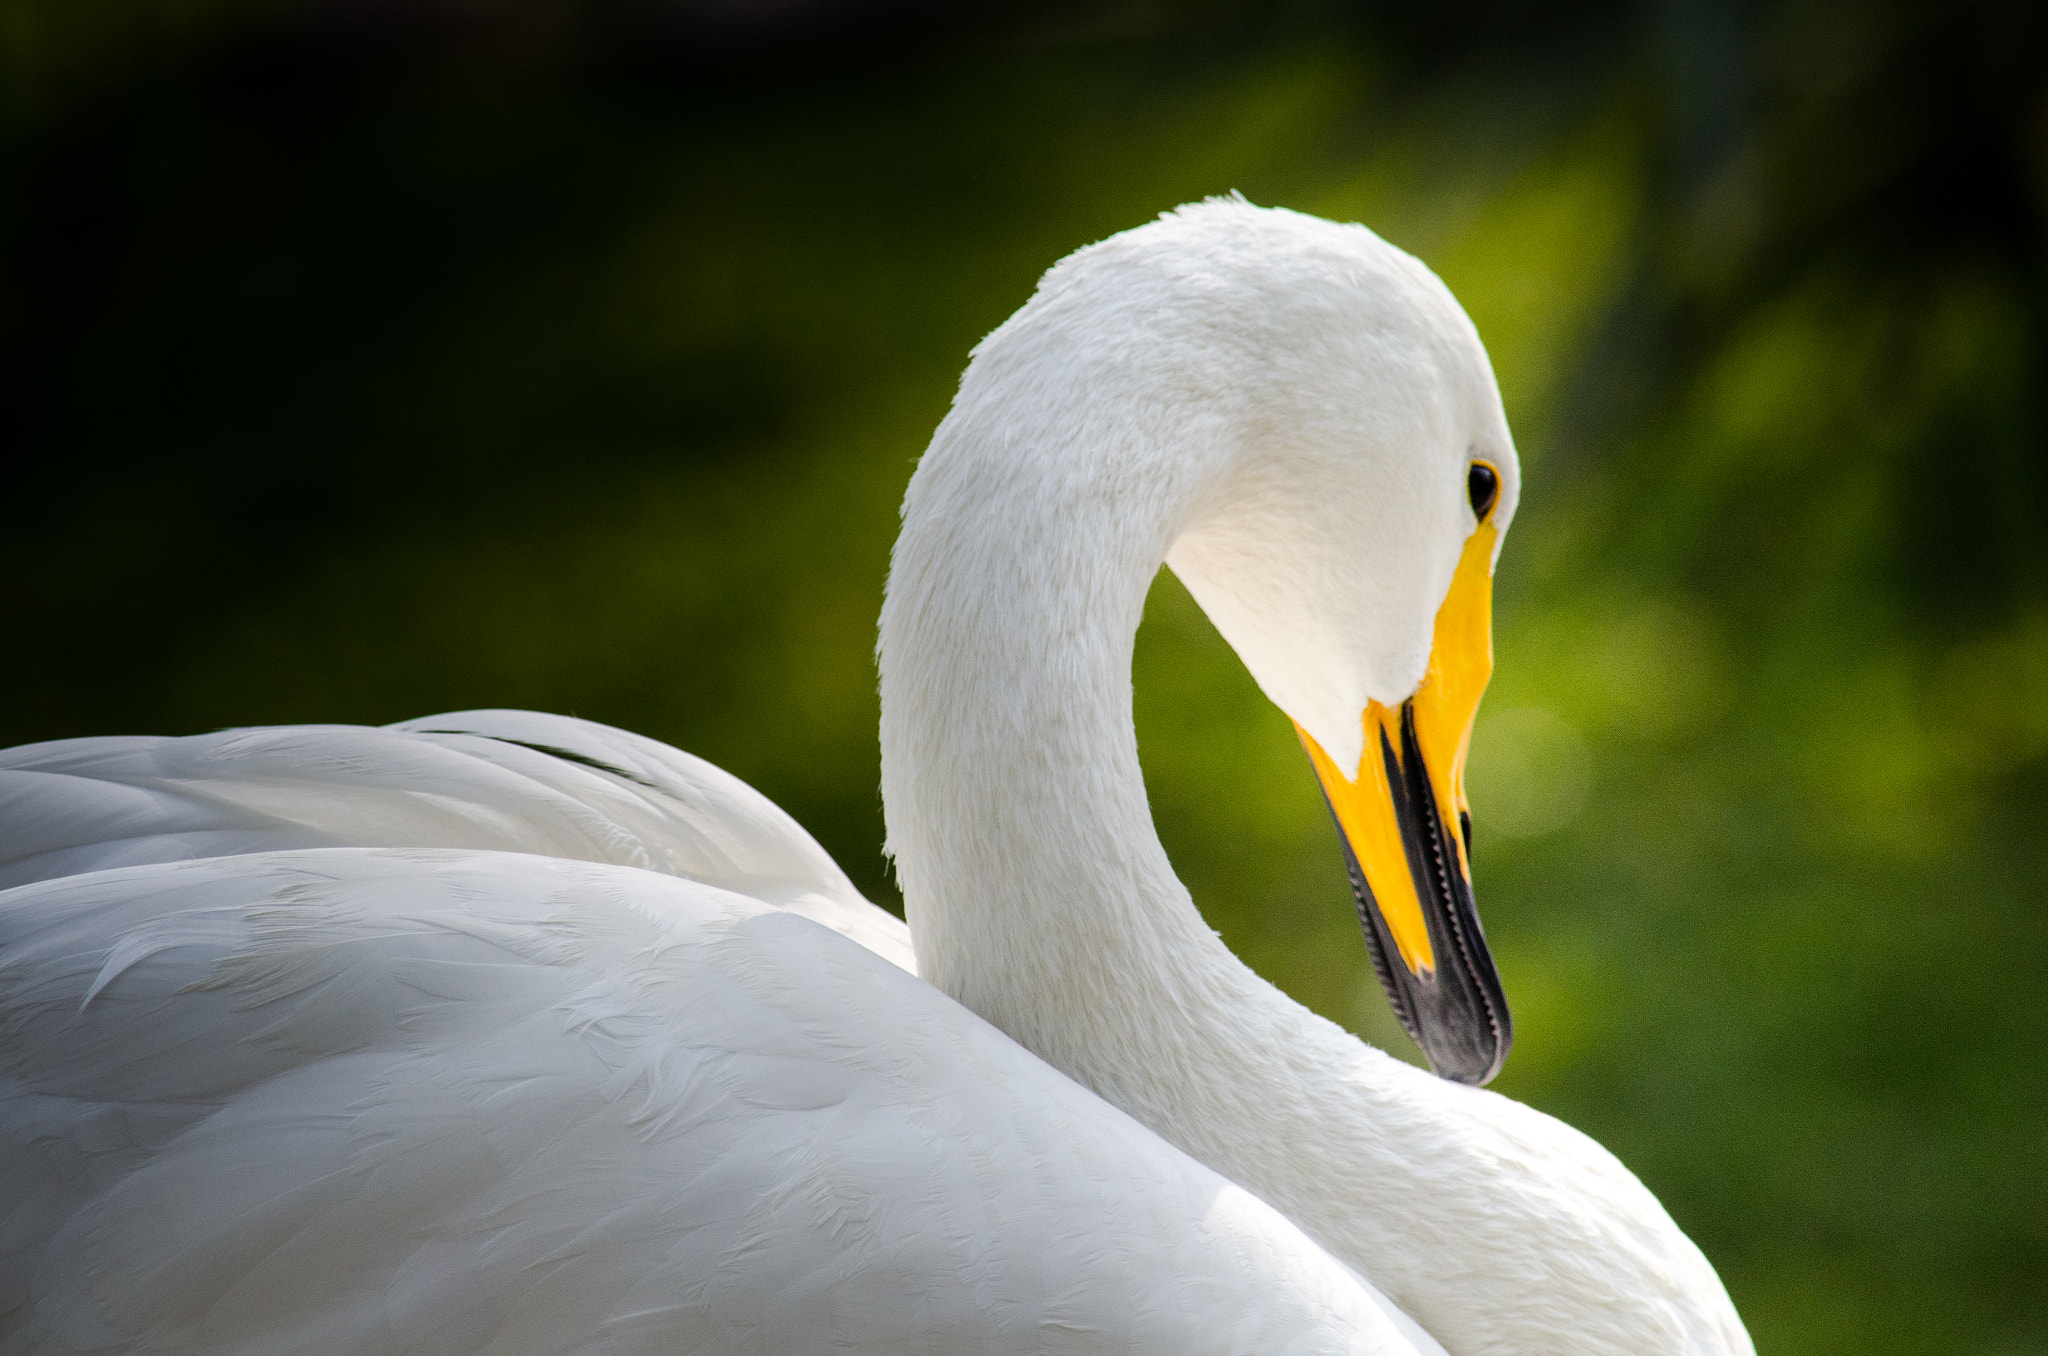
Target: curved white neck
1036, 887
1039, 896
1037, 890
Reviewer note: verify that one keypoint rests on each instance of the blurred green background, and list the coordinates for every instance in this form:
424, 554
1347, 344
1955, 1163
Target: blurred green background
364, 360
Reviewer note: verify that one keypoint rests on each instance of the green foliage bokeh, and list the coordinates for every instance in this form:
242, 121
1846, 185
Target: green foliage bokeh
376, 362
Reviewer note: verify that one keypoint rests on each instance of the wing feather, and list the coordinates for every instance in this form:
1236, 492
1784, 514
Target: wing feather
507, 781
381, 1101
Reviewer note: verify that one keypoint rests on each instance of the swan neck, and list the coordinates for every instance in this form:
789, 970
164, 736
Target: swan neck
1037, 890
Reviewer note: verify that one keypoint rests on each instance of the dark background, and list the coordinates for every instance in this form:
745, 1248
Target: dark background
366, 360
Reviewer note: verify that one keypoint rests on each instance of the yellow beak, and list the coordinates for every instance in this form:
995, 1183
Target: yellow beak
1407, 830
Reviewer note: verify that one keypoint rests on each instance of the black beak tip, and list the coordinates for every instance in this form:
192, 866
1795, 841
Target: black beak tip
1466, 1051
1456, 1015
1455, 1010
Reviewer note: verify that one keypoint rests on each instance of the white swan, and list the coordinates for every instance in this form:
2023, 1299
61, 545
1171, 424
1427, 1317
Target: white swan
448, 1058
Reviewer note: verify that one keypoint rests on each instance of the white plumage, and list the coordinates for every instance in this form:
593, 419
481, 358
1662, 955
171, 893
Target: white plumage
494, 781
510, 1033
350, 1100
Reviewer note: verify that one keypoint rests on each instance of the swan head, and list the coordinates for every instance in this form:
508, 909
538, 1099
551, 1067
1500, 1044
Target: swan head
1347, 556
1302, 422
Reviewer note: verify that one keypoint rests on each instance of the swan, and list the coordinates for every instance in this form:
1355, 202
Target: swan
505, 1032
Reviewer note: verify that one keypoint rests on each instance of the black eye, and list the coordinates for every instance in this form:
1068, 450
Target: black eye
1482, 487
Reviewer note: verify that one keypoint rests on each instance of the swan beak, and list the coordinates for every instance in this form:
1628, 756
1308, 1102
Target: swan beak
1407, 832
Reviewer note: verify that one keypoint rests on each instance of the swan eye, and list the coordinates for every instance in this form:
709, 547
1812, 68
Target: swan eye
1482, 487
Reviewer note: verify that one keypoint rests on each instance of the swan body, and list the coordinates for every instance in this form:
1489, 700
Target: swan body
404, 1100
512, 1033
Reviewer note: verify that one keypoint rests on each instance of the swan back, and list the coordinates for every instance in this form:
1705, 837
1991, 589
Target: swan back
509, 781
